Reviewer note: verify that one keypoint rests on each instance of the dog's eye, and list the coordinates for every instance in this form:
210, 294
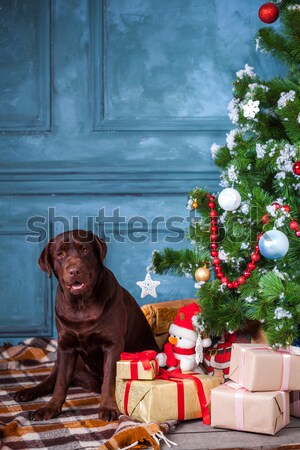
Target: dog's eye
84, 250
60, 254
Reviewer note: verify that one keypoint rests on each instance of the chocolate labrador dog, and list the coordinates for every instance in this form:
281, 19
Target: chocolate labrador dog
96, 320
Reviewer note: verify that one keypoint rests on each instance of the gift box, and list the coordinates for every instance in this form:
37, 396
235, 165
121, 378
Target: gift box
295, 403
236, 408
259, 368
138, 366
170, 396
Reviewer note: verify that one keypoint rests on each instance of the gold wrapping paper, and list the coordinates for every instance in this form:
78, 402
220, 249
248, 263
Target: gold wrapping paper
124, 371
156, 400
262, 412
295, 403
260, 368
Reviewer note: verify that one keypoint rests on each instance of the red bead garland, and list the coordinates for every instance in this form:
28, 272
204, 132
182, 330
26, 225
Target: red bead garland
255, 256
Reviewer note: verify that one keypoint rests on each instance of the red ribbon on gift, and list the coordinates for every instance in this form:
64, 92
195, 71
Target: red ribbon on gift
174, 375
144, 357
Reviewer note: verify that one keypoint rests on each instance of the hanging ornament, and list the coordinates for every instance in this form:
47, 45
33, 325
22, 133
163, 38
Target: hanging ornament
296, 168
202, 274
229, 199
273, 244
195, 204
268, 12
148, 286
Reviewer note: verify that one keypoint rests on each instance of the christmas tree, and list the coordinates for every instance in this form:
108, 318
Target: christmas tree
245, 253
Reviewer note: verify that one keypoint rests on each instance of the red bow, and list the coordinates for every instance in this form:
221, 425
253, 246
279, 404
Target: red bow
144, 357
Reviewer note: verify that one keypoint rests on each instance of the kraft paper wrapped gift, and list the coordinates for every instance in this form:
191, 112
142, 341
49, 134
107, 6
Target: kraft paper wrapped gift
295, 403
138, 366
259, 368
259, 412
160, 399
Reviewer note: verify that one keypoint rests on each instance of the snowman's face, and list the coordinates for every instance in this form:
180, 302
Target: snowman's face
181, 342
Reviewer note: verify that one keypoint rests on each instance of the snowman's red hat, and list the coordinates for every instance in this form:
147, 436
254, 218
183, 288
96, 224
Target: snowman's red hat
183, 324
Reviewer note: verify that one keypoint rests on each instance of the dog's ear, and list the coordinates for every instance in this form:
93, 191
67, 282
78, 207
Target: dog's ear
44, 261
101, 247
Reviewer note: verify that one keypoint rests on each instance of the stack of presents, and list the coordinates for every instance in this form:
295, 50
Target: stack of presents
258, 393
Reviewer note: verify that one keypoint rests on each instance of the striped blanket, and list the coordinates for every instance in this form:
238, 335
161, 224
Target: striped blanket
78, 425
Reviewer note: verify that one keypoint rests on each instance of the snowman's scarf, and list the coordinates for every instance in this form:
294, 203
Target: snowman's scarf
170, 349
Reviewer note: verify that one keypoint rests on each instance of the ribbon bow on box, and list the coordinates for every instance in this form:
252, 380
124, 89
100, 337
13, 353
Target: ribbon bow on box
144, 358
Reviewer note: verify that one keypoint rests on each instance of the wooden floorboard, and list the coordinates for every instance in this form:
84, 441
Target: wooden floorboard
193, 435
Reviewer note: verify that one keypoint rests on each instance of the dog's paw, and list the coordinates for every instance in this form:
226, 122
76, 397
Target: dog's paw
25, 395
45, 413
109, 411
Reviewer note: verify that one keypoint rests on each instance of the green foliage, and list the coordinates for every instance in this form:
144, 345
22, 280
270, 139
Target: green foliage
258, 157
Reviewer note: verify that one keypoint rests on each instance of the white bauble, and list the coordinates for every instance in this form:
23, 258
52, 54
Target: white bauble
229, 199
273, 244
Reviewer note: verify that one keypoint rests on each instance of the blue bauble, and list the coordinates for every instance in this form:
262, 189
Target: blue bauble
273, 244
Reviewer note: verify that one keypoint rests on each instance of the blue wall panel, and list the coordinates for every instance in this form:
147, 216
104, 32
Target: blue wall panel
109, 105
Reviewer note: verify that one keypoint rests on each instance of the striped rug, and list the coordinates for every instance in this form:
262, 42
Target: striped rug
78, 426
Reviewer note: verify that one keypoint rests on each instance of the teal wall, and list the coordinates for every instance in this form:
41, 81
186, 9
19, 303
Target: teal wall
109, 104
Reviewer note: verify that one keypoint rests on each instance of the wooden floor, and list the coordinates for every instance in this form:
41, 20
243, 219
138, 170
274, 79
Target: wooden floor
193, 435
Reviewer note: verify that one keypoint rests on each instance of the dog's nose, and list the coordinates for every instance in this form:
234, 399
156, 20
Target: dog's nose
73, 271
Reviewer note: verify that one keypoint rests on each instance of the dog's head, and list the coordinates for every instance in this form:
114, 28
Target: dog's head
76, 258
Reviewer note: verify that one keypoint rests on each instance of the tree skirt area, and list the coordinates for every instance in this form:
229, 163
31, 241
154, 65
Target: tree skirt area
77, 426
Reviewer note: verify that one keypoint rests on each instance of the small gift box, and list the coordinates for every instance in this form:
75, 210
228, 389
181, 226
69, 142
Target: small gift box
295, 403
138, 366
172, 395
236, 408
259, 368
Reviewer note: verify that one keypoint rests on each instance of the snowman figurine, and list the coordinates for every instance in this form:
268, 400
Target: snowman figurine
184, 348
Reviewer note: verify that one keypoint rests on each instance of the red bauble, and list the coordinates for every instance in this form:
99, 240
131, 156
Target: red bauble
241, 280
214, 253
268, 12
297, 233
276, 205
216, 261
294, 225
296, 168
251, 266
265, 218
255, 257
286, 208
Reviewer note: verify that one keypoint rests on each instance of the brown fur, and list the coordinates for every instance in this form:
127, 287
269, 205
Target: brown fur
96, 320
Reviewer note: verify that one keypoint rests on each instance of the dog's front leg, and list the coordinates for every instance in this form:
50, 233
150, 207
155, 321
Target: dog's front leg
66, 361
108, 407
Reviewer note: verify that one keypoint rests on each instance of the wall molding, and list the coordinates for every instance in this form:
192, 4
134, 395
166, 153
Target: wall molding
100, 122
37, 181
40, 122
44, 327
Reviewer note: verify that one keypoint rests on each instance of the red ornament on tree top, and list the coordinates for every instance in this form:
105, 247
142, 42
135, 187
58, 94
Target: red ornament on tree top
268, 12
296, 168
